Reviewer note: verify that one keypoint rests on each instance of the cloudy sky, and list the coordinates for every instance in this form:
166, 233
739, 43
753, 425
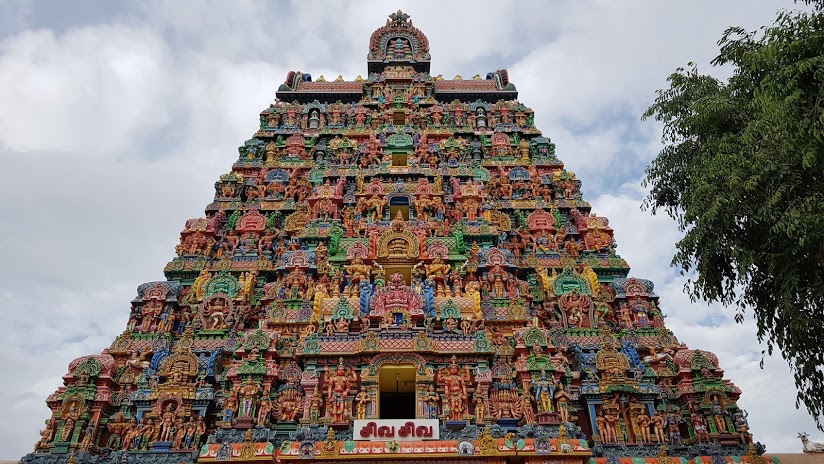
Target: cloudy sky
116, 119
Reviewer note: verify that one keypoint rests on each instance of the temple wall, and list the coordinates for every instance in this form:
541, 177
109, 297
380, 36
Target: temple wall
800, 458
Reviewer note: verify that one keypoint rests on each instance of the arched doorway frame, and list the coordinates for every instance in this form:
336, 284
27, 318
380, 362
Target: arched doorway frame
424, 376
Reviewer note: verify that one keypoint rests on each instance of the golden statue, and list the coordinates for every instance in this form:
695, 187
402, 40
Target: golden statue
437, 271
199, 284
357, 272
473, 292
545, 280
487, 444
523, 149
362, 400
589, 274
321, 292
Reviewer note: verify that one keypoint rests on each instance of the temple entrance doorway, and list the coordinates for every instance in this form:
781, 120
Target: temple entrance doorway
399, 205
396, 387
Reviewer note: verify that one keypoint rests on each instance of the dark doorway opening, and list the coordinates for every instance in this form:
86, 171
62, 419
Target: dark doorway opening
397, 391
397, 405
399, 205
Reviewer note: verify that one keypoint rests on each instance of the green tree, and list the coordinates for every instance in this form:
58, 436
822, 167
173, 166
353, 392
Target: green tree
742, 171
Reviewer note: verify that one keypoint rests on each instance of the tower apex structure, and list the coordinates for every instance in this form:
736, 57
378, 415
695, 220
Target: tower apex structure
398, 43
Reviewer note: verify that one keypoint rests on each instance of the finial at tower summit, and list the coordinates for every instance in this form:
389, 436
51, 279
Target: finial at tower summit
398, 43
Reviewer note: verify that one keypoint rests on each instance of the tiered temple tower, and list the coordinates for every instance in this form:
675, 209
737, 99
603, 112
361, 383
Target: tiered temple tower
397, 267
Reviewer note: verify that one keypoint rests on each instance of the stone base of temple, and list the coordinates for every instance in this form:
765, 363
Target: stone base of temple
470, 445
82, 457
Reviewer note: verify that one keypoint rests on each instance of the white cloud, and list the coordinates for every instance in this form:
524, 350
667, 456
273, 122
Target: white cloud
104, 164
60, 97
645, 241
604, 64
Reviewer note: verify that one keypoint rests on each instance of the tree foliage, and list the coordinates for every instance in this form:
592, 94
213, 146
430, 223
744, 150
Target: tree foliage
742, 171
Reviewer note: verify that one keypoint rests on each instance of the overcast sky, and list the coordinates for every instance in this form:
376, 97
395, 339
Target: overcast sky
116, 119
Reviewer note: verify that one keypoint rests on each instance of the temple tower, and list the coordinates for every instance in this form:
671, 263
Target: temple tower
396, 267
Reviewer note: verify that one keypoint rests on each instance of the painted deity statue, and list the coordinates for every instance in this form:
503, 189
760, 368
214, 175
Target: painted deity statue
474, 293
288, 405
362, 400
248, 397
167, 421
338, 384
437, 271
643, 421
455, 382
719, 415
230, 409
562, 399
432, 400
543, 394
357, 272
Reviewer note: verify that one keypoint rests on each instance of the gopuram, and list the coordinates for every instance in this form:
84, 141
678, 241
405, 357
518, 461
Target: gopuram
397, 268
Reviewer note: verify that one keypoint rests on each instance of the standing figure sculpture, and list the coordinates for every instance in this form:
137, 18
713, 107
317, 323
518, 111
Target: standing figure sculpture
433, 401
356, 273
264, 407
248, 397
480, 407
473, 292
562, 402
338, 384
167, 422
611, 419
69, 420
362, 401
700, 427
526, 408
718, 415
437, 271
642, 420
179, 434
601, 424
673, 422
229, 409
544, 394
455, 382
657, 421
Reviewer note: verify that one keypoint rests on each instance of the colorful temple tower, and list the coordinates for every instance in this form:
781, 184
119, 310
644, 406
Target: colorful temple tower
396, 268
